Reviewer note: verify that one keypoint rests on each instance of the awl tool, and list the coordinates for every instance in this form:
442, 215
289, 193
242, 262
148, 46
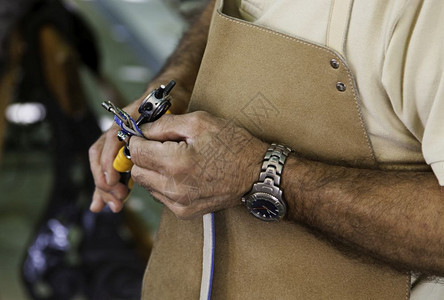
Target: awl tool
155, 105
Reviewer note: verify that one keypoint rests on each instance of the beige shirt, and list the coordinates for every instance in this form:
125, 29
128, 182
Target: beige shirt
396, 50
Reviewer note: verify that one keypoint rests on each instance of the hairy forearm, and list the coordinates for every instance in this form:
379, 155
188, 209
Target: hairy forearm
183, 64
396, 217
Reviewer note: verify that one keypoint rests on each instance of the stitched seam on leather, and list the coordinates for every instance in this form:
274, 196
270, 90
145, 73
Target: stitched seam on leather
364, 129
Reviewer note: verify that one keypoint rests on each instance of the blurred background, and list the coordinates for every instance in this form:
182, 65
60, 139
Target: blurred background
59, 59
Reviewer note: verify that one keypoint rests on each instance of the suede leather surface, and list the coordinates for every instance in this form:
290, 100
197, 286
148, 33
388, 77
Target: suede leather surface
297, 85
282, 90
175, 267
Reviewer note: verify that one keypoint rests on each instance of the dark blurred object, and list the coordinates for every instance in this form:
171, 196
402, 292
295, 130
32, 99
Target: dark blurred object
73, 252
29, 11
10, 13
97, 264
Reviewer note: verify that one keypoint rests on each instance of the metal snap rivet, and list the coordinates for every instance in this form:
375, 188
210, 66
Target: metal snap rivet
341, 86
334, 63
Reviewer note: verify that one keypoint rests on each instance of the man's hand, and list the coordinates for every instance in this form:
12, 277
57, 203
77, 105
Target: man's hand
108, 189
196, 163
101, 156
182, 66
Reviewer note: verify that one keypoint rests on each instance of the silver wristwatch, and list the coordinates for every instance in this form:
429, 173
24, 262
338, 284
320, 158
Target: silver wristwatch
265, 200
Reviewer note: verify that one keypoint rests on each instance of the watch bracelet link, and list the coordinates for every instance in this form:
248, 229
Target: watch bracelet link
273, 164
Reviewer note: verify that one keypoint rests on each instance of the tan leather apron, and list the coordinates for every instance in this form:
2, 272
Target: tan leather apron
282, 90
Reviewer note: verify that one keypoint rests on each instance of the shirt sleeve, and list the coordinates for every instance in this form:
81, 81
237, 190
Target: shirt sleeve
413, 77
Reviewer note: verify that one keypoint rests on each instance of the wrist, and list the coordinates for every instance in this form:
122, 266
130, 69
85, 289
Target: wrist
265, 200
254, 166
298, 176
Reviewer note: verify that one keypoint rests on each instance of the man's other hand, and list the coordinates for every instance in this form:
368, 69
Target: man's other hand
109, 191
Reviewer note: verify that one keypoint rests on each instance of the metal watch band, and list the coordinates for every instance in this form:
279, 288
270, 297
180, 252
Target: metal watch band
273, 164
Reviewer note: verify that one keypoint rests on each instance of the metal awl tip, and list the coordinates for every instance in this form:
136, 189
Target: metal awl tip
106, 105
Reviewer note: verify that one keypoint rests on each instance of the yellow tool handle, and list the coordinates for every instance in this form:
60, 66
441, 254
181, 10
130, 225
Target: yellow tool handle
122, 163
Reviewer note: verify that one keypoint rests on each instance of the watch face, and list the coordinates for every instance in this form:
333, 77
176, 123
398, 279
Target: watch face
265, 207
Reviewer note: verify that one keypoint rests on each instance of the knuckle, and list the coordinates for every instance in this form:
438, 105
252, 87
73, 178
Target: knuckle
160, 125
104, 194
180, 165
201, 115
106, 160
111, 133
183, 213
100, 184
173, 196
195, 119
99, 181
201, 121
120, 191
136, 175
135, 151
183, 196
96, 148
93, 150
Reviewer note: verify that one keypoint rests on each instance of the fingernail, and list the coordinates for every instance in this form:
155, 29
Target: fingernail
106, 178
112, 206
93, 202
